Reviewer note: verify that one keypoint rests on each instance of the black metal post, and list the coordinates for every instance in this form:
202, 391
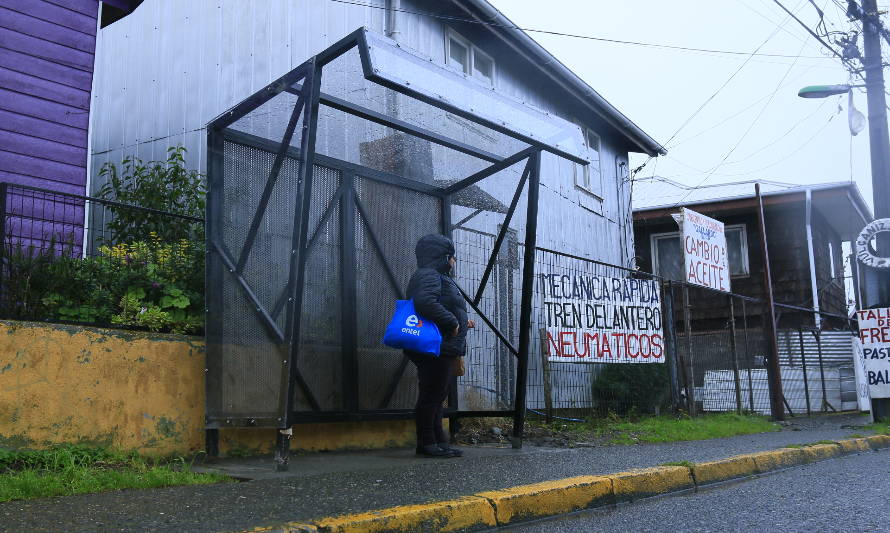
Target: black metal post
748, 357
348, 296
673, 356
735, 356
211, 442
525, 313
803, 359
690, 369
826, 405
773, 372
4, 190
298, 260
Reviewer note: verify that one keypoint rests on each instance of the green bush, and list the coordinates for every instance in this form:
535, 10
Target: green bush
149, 275
162, 185
632, 388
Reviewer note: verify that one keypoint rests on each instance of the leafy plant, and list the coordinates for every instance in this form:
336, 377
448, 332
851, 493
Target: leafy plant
161, 185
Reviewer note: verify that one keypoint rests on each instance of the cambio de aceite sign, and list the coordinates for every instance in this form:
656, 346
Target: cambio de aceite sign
874, 333
600, 319
704, 250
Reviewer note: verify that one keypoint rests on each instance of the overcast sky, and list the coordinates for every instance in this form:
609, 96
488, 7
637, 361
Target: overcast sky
756, 126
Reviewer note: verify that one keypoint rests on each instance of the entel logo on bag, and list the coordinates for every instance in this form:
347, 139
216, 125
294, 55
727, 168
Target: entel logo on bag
412, 322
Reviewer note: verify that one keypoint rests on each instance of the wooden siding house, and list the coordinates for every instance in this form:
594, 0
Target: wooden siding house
806, 228
47, 58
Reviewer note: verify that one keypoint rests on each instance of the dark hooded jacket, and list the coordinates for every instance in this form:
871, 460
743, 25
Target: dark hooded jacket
436, 296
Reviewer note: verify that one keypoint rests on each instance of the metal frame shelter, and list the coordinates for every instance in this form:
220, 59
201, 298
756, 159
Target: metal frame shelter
262, 337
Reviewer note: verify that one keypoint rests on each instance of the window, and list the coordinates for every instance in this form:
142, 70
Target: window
462, 55
589, 178
667, 254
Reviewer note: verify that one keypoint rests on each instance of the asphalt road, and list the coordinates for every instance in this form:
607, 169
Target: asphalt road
845, 494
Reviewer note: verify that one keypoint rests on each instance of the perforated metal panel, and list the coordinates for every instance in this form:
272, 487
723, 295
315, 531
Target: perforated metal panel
398, 217
246, 358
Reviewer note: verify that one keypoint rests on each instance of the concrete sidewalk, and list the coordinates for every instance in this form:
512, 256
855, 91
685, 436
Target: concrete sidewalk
332, 484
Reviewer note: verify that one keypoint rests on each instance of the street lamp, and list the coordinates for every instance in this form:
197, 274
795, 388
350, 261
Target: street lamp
824, 91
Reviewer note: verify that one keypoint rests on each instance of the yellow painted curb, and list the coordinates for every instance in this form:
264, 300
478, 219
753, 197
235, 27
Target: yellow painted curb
714, 471
499, 507
453, 515
878, 442
637, 484
854, 445
778, 459
549, 498
820, 452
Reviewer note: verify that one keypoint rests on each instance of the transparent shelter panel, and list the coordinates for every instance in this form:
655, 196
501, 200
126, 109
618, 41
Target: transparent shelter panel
354, 140
343, 79
269, 121
478, 213
408, 69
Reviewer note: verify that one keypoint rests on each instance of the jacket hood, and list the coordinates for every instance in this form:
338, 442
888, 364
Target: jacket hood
433, 251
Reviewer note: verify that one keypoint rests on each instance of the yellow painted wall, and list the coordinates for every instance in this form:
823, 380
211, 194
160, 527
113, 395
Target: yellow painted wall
134, 391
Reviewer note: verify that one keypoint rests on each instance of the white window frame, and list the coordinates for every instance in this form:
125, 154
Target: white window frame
472, 50
582, 172
743, 244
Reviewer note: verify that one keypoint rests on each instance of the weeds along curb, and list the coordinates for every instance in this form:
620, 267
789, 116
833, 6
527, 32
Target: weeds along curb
488, 509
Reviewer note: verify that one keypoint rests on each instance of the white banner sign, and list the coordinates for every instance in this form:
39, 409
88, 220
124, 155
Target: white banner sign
874, 333
863, 394
600, 319
704, 250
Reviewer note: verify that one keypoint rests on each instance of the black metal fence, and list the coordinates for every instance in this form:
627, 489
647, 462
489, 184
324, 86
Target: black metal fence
78, 259
713, 353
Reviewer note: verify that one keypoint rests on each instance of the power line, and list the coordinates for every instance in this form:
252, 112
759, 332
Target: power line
453, 18
745, 134
780, 137
737, 113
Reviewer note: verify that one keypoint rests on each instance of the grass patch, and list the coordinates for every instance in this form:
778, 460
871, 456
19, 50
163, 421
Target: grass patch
670, 429
879, 428
72, 469
687, 464
855, 435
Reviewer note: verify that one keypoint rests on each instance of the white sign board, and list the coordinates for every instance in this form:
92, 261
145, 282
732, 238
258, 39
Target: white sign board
863, 395
874, 333
600, 319
705, 258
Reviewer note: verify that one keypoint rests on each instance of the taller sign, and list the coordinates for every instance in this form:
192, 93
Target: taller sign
874, 333
705, 261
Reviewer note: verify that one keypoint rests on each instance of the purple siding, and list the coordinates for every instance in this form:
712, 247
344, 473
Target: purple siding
46, 65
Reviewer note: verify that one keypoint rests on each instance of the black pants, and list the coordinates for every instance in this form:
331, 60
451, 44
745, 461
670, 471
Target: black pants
434, 375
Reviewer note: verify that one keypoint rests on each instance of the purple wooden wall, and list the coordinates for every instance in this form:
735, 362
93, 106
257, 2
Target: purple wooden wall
46, 71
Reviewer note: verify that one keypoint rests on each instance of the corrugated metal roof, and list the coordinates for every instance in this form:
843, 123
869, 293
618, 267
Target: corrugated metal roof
657, 192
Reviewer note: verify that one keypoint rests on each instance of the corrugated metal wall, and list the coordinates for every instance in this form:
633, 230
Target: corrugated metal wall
168, 68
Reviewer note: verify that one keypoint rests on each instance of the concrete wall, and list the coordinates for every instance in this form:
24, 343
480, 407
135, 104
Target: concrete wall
134, 391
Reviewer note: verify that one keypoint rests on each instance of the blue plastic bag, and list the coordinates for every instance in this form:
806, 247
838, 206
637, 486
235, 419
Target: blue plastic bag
409, 331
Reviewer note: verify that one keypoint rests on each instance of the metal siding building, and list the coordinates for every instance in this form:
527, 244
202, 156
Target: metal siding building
170, 67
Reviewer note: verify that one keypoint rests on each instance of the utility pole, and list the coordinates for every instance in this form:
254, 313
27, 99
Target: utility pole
879, 140
876, 282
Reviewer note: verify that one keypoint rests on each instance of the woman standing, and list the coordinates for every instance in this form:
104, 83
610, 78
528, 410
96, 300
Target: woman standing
437, 298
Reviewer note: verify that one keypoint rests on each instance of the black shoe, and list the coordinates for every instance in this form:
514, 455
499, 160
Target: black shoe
456, 451
433, 450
